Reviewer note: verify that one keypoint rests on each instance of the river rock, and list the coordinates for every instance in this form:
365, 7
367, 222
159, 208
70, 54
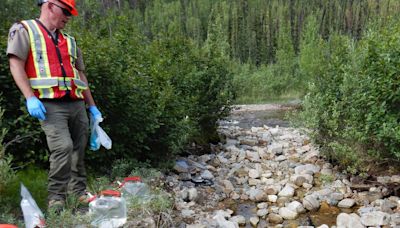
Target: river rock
262, 212
227, 186
254, 221
196, 226
181, 166
395, 219
383, 179
254, 173
296, 206
287, 191
274, 218
344, 220
375, 218
310, 203
276, 148
300, 179
395, 179
346, 203
286, 213
272, 189
239, 219
207, 175
272, 198
369, 197
192, 194
306, 169
186, 213
262, 205
256, 195
253, 156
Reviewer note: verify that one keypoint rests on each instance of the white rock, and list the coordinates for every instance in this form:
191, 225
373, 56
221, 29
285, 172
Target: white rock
306, 169
187, 213
196, 226
344, 220
395, 179
395, 219
254, 173
272, 198
254, 221
239, 219
286, 213
262, 212
346, 203
276, 148
192, 194
262, 205
253, 156
253, 182
207, 175
296, 206
375, 218
280, 158
323, 226
287, 191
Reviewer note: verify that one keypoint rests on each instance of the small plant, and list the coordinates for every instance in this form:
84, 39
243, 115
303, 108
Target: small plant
326, 178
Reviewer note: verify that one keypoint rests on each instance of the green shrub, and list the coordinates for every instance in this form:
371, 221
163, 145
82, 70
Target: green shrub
353, 105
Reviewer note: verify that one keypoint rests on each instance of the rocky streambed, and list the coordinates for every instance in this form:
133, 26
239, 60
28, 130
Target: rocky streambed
267, 174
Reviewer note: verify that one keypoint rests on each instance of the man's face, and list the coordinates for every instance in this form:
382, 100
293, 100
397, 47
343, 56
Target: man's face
60, 13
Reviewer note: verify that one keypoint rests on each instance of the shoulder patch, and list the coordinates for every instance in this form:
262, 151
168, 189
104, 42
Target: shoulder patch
16, 27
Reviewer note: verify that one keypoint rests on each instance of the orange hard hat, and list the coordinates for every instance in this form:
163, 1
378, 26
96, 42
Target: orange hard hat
72, 6
8, 226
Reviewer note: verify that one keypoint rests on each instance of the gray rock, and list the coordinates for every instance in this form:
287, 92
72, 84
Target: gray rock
395, 179
395, 219
375, 218
346, 203
344, 220
276, 148
306, 169
287, 191
181, 166
296, 206
207, 175
310, 203
262, 212
286, 213
239, 219
192, 194
186, 213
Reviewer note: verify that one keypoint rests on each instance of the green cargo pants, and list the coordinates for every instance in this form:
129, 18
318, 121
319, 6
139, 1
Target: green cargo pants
67, 129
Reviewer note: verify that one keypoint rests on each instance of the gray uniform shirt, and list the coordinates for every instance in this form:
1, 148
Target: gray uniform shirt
19, 45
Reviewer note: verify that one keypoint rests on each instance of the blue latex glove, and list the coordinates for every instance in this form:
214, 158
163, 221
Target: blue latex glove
95, 113
36, 108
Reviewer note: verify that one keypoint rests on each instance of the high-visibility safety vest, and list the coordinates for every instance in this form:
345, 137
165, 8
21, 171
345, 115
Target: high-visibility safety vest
50, 65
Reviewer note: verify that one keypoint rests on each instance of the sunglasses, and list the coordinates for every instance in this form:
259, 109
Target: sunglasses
65, 11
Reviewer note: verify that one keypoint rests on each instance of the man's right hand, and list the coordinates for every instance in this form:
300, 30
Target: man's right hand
36, 108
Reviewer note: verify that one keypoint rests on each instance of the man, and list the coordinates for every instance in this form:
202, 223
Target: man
48, 69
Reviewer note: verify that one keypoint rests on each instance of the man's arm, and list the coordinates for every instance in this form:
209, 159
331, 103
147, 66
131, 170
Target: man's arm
17, 67
34, 105
87, 94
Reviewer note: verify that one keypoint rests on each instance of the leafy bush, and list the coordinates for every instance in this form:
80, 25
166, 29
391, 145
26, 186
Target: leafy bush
353, 105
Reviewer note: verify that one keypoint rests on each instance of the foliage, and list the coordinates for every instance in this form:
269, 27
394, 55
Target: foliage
353, 105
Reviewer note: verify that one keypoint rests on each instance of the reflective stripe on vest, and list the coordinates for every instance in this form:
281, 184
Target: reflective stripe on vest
41, 78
